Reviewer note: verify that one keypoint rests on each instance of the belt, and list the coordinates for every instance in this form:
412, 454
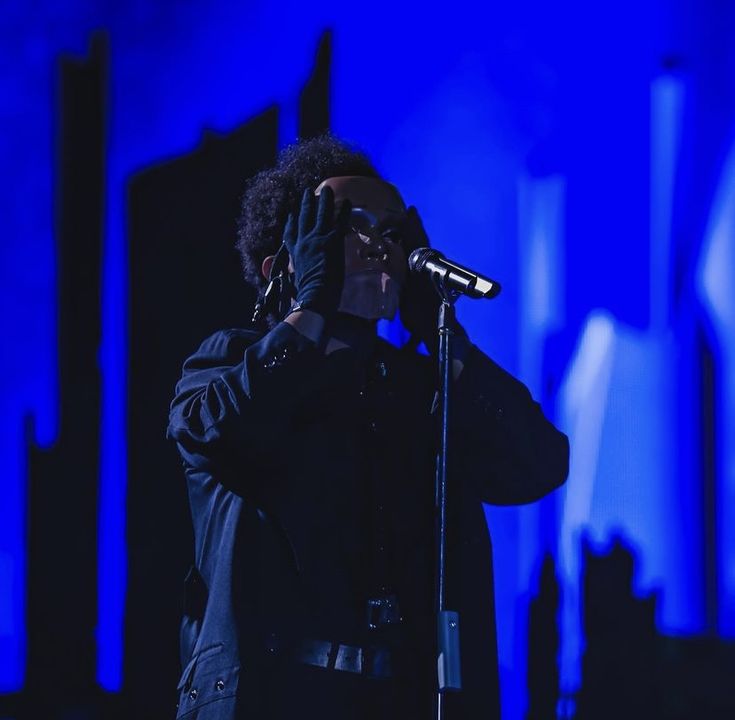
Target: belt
371, 662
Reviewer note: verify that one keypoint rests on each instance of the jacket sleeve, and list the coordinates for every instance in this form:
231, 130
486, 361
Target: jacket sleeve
237, 393
505, 447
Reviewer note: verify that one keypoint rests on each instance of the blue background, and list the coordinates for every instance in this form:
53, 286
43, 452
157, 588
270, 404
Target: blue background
582, 154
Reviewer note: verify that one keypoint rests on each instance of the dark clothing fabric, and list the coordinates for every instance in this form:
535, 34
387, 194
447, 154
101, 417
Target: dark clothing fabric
311, 484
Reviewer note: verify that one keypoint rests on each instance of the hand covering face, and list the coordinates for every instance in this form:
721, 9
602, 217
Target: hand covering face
316, 246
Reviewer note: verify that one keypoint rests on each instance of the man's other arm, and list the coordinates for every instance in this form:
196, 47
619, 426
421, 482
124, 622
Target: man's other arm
508, 451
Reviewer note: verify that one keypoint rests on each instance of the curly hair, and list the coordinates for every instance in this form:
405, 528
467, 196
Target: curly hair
274, 193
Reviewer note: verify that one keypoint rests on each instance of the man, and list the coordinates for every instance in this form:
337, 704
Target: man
309, 454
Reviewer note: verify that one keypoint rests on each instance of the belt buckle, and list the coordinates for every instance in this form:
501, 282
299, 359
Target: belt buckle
372, 662
350, 659
368, 661
382, 611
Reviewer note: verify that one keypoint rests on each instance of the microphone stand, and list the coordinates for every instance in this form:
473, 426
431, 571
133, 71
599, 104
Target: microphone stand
449, 678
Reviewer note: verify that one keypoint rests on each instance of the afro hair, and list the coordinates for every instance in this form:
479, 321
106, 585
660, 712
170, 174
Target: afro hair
272, 194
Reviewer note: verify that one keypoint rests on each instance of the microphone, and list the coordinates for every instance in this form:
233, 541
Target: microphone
454, 276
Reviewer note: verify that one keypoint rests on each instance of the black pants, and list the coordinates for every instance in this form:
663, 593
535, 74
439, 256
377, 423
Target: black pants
303, 692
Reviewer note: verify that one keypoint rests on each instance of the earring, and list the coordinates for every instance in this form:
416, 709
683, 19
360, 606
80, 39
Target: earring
278, 292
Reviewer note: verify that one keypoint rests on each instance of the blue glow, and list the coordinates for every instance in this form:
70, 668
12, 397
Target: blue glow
563, 178
13, 568
583, 399
112, 557
542, 270
716, 279
540, 208
667, 101
28, 361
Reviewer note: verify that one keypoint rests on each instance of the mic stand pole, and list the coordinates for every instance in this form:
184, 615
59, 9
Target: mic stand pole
449, 677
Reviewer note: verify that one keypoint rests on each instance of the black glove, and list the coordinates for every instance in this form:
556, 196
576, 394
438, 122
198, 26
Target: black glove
420, 300
317, 251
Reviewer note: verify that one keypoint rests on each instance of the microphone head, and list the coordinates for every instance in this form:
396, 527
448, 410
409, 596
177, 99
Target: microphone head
419, 257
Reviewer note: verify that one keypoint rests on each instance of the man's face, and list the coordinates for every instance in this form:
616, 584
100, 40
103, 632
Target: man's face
375, 264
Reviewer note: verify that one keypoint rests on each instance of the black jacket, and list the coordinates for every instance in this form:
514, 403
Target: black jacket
310, 481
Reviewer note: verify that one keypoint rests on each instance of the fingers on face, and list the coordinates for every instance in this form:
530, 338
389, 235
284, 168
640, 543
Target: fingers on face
306, 215
318, 213
325, 210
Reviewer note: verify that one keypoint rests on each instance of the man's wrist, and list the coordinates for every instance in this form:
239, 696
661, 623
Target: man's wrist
308, 322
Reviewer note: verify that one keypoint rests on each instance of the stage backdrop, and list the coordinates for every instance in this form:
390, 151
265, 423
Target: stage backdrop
582, 154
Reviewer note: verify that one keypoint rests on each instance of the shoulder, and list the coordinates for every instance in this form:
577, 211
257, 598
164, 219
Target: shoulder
230, 340
224, 347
